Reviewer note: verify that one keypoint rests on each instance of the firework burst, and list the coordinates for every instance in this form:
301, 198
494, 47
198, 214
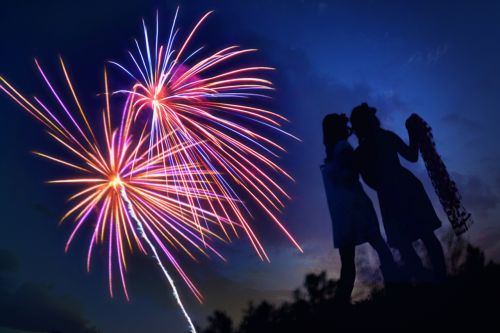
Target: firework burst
203, 102
134, 198
177, 182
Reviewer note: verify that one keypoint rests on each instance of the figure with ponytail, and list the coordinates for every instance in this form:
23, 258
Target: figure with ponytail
407, 211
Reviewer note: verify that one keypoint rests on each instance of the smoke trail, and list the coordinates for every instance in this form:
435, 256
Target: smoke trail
155, 256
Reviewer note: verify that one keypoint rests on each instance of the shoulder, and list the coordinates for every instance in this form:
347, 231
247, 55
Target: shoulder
387, 133
390, 135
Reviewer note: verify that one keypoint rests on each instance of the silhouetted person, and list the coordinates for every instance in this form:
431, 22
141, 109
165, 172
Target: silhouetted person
353, 217
407, 212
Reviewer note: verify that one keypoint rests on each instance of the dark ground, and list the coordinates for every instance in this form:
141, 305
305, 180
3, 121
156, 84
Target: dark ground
468, 300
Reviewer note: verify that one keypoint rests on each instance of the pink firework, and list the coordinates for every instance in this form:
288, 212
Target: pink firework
128, 196
211, 109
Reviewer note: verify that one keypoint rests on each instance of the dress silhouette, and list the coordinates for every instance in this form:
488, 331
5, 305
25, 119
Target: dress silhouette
407, 212
354, 221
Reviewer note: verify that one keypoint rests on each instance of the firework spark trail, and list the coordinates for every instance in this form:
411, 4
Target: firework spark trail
157, 258
187, 96
121, 177
176, 184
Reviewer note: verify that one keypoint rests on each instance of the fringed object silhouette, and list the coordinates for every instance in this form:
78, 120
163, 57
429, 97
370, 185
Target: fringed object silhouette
444, 186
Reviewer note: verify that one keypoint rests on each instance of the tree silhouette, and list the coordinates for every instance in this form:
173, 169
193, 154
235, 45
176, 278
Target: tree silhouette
219, 322
468, 299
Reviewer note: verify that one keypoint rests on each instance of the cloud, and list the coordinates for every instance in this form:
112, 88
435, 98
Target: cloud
8, 262
457, 119
225, 286
233, 296
314, 93
44, 210
478, 195
497, 182
431, 56
434, 55
36, 308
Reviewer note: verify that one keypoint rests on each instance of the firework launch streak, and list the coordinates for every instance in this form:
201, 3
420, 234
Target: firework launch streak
156, 257
445, 187
176, 183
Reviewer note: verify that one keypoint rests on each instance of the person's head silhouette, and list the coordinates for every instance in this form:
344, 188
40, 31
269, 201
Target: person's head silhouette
335, 128
364, 121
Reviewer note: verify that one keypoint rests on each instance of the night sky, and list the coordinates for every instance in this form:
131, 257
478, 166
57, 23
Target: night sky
440, 60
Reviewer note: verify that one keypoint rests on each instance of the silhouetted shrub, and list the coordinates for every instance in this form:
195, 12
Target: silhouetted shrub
469, 299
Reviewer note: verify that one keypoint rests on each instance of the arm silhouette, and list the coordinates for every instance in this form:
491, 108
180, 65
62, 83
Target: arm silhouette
409, 152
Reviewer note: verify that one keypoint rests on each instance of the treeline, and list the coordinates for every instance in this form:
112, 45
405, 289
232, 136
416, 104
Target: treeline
469, 299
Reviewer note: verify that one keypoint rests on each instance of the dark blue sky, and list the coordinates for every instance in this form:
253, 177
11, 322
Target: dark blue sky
441, 60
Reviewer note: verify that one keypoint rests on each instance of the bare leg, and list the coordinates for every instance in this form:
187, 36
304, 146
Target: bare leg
388, 266
436, 255
383, 251
412, 263
347, 274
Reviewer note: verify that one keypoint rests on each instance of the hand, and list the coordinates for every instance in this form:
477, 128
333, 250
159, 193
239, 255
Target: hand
412, 121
